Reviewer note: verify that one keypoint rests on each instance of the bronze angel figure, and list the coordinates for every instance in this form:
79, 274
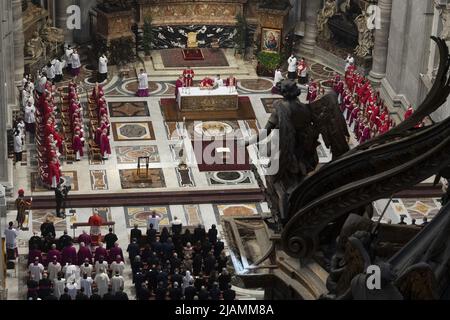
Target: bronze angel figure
298, 127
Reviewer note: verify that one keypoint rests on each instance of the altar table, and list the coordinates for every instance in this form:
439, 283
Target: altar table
196, 99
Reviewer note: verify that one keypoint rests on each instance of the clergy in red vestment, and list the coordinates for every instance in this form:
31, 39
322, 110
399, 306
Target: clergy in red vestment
207, 83
231, 83
105, 146
54, 173
95, 222
312, 91
188, 76
409, 112
77, 146
178, 84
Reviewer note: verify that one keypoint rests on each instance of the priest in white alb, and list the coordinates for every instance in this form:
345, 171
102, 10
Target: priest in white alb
102, 68
143, 84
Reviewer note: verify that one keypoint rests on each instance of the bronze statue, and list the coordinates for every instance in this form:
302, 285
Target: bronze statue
298, 126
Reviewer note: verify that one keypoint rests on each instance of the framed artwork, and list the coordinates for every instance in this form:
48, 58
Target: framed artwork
270, 40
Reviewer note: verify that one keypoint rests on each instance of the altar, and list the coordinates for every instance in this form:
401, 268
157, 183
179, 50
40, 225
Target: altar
196, 99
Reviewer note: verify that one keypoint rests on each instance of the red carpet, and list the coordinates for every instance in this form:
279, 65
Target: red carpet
208, 161
193, 54
173, 58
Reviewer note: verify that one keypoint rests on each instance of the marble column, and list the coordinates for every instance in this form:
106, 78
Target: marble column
380, 49
308, 42
61, 16
7, 88
19, 41
85, 34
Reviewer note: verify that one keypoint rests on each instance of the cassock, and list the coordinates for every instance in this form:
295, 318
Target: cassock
95, 221
188, 76
54, 253
312, 92
100, 252
409, 113
54, 174
114, 252
105, 146
69, 253
84, 237
83, 254
178, 84
77, 146
143, 85
207, 82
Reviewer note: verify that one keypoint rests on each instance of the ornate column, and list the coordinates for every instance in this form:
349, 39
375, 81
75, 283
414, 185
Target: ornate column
19, 41
380, 49
85, 34
308, 42
61, 18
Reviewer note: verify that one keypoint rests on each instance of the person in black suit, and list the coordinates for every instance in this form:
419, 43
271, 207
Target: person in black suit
160, 292
64, 240
229, 294
136, 233
190, 291
120, 295
151, 234
144, 293
108, 295
95, 295
81, 295
214, 293
47, 228
199, 234
110, 239
65, 296
212, 234
133, 250
219, 246
175, 292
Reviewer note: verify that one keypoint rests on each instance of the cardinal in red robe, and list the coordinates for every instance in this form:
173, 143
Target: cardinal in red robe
188, 76
77, 146
54, 173
105, 146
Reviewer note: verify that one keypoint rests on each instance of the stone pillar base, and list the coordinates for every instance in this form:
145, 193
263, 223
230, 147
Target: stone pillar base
376, 77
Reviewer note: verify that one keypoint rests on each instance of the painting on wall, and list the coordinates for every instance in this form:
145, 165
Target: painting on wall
270, 40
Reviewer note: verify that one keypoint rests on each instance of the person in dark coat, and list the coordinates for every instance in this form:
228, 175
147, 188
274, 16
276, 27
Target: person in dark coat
81, 295
190, 292
35, 242
203, 294
160, 292
121, 296
64, 240
222, 261
229, 294
175, 292
176, 277
197, 264
212, 234
109, 295
224, 279
210, 263
110, 239
151, 234
65, 296
95, 295
133, 249
199, 233
219, 246
144, 293
136, 233
165, 235
45, 286
187, 237
214, 292
48, 228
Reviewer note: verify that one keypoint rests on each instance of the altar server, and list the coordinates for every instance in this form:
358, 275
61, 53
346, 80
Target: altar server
143, 84
102, 68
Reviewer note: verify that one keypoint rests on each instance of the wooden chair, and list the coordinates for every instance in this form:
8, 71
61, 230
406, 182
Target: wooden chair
69, 153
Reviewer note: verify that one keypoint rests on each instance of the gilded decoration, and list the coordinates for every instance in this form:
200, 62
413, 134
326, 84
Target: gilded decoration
209, 103
197, 13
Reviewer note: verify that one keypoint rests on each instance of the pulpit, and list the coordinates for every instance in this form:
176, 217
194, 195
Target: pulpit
192, 41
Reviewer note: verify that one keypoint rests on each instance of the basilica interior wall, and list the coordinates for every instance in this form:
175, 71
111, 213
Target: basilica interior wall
408, 52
